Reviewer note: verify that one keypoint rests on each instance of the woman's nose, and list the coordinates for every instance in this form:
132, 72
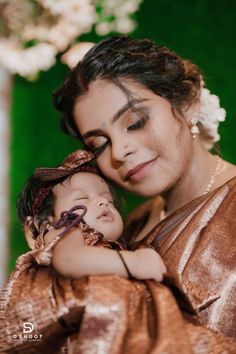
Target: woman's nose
120, 149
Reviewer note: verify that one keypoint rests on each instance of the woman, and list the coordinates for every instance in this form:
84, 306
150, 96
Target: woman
137, 107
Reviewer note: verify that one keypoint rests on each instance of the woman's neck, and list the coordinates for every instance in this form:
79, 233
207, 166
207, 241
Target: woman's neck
193, 182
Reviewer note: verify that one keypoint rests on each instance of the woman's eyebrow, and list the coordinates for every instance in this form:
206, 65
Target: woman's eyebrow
123, 109
117, 115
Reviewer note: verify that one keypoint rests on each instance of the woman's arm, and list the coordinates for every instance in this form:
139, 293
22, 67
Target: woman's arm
73, 259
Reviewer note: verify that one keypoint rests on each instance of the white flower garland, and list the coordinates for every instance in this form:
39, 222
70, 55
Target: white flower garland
114, 15
26, 62
211, 114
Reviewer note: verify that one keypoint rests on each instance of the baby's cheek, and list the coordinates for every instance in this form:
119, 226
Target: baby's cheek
57, 213
90, 219
121, 229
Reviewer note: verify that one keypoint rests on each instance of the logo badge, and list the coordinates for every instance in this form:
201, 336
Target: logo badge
28, 327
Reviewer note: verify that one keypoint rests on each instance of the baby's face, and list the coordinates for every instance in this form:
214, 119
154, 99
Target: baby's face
92, 191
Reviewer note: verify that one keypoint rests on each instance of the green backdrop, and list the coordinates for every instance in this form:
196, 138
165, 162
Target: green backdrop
201, 30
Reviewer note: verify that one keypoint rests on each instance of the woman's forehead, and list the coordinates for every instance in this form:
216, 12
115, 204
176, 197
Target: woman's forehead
97, 102
102, 101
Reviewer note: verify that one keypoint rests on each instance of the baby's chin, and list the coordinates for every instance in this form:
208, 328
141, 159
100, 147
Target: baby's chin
109, 235
109, 231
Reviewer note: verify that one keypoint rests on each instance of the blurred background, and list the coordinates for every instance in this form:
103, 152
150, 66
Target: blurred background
35, 35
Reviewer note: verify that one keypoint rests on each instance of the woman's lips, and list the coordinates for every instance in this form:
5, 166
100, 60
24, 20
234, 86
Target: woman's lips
140, 171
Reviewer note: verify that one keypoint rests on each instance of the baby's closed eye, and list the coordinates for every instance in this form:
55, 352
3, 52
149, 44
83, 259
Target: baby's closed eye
82, 197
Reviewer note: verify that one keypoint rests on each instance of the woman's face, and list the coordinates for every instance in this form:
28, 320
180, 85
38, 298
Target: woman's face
142, 146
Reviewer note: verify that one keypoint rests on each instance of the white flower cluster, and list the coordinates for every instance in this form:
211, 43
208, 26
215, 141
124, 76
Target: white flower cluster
35, 31
211, 114
26, 62
115, 16
72, 18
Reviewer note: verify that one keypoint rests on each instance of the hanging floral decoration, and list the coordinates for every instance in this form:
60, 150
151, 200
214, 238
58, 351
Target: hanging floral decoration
33, 32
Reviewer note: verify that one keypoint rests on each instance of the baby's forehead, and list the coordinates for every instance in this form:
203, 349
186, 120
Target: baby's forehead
85, 177
84, 181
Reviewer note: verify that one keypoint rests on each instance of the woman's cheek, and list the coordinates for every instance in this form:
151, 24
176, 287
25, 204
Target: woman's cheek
105, 166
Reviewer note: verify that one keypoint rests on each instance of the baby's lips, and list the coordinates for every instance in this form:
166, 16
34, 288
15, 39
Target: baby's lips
106, 212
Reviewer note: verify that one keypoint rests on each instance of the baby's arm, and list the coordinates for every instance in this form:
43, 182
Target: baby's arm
73, 259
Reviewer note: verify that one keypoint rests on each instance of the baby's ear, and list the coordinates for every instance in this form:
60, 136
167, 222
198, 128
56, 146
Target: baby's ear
28, 232
29, 237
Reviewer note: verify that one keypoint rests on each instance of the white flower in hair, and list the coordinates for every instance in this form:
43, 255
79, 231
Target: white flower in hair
211, 114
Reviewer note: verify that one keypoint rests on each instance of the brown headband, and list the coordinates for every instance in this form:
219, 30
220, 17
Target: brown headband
72, 162
77, 161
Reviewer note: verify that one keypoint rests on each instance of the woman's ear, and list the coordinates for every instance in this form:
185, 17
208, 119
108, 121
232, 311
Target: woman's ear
29, 236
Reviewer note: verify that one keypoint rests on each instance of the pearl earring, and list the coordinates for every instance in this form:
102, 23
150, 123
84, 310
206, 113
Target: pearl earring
194, 128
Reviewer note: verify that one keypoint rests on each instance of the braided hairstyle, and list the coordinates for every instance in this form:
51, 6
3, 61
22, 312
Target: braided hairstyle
121, 57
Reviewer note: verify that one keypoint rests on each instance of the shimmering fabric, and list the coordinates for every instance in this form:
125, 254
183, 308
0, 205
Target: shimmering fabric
192, 312
198, 246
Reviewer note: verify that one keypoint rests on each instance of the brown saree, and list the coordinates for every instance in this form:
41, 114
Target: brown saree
193, 311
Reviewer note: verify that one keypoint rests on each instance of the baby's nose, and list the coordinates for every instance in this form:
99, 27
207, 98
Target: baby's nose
102, 203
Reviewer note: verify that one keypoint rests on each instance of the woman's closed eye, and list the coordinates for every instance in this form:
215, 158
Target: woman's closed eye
97, 144
139, 124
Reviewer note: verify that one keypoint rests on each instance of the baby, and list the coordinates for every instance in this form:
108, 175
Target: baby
77, 200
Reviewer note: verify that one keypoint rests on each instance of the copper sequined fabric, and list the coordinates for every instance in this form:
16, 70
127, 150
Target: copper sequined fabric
193, 311
198, 246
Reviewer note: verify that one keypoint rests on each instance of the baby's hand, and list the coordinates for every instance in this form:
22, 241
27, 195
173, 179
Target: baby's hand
149, 265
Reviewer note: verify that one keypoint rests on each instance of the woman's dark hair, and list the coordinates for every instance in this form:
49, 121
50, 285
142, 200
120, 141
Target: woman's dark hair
121, 57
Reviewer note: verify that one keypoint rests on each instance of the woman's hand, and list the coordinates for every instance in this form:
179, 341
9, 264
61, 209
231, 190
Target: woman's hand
145, 263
